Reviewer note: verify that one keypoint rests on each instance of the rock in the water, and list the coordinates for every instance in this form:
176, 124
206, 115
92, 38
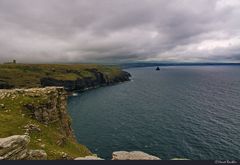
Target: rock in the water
134, 155
14, 147
37, 155
88, 158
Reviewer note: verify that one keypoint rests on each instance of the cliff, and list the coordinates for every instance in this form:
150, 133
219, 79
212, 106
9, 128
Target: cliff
35, 123
81, 84
72, 77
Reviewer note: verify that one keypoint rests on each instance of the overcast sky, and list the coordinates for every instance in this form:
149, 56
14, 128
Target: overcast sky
120, 30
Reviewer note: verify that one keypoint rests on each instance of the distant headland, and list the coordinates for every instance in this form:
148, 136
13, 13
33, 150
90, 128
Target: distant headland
73, 77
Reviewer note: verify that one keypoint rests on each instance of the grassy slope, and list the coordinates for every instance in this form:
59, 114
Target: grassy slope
13, 118
29, 75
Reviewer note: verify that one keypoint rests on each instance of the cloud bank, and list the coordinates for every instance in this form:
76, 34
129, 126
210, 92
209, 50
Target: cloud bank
119, 30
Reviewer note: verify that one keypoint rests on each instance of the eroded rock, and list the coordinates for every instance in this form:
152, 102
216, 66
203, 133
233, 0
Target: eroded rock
32, 128
179, 159
134, 155
88, 158
14, 147
37, 155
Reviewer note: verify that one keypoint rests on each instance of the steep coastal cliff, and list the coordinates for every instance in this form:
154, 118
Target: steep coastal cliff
71, 77
35, 123
100, 79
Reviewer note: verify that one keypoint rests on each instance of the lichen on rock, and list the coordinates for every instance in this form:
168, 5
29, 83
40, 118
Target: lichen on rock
14, 147
37, 155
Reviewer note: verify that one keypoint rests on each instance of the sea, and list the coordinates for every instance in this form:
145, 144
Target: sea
188, 112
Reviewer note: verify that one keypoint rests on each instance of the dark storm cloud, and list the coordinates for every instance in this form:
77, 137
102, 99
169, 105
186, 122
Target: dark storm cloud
113, 30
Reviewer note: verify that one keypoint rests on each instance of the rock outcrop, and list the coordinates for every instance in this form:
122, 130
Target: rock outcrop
37, 155
134, 155
88, 158
53, 107
14, 147
179, 159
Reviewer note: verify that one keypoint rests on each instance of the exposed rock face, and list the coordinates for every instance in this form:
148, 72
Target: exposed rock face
37, 155
88, 158
54, 110
134, 155
14, 147
86, 83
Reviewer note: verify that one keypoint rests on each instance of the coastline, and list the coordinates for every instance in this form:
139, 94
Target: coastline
36, 119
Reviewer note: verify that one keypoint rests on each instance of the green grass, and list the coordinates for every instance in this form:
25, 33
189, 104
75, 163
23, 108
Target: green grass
29, 75
14, 116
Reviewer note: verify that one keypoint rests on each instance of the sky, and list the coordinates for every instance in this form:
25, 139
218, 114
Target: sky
75, 31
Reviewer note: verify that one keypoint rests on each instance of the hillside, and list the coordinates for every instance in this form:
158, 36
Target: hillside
72, 77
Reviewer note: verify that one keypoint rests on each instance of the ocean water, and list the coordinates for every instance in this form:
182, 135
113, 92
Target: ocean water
191, 112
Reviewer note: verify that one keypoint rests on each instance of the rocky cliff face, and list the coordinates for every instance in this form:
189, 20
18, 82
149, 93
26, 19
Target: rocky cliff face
51, 106
37, 118
53, 109
99, 79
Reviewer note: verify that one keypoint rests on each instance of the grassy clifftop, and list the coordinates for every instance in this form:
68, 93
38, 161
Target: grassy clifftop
40, 113
35, 75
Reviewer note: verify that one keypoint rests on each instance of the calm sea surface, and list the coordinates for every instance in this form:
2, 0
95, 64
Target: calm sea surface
190, 112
